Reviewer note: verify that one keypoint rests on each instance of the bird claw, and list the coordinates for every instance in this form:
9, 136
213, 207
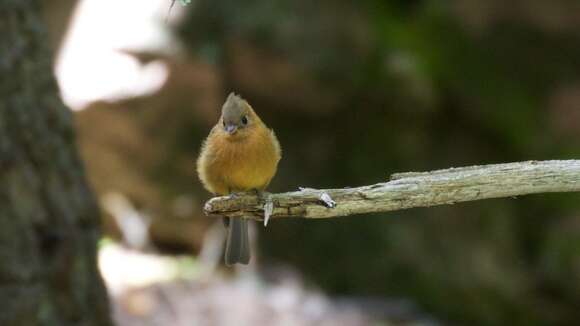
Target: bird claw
233, 195
262, 197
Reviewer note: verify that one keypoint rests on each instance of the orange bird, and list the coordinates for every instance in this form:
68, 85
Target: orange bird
240, 154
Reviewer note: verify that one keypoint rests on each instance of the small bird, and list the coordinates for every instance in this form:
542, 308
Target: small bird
240, 154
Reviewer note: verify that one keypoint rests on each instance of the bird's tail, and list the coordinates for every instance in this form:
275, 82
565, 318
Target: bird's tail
237, 243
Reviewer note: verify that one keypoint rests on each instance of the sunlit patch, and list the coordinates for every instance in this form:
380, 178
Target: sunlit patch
124, 269
93, 64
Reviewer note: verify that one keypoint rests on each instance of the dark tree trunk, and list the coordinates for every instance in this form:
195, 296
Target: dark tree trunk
48, 217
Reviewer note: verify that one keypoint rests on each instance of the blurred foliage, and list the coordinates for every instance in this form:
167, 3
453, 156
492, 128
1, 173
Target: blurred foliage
414, 85
359, 90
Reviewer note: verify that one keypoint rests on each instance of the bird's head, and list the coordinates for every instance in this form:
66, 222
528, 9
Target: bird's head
238, 119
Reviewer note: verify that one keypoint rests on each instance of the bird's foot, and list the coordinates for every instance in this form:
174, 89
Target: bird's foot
259, 193
233, 195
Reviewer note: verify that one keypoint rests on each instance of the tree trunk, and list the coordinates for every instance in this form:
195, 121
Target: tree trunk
48, 216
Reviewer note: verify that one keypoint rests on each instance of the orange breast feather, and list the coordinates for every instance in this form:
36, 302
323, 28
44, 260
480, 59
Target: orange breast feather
242, 165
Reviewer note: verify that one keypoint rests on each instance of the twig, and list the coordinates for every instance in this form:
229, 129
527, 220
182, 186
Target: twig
169, 11
408, 190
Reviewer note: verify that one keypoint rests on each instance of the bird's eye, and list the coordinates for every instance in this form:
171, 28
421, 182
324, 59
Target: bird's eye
244, 120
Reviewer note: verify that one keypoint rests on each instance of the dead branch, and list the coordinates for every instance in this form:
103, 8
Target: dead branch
408, 190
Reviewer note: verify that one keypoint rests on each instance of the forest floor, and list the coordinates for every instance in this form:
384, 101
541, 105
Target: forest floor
150, 290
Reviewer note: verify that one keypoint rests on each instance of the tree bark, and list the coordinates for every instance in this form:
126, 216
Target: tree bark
48, 216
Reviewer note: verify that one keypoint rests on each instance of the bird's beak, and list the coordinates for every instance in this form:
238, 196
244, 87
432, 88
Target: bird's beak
231, 129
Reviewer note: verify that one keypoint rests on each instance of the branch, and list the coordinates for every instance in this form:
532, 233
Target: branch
408, 190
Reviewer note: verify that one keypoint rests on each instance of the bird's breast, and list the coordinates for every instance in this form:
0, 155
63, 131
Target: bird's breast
248, 163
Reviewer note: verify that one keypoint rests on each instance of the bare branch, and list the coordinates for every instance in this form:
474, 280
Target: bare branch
408, 190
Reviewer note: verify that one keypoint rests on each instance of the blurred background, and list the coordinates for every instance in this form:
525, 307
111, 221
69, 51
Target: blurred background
355, 91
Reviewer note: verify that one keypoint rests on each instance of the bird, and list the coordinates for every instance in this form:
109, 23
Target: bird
240, 154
